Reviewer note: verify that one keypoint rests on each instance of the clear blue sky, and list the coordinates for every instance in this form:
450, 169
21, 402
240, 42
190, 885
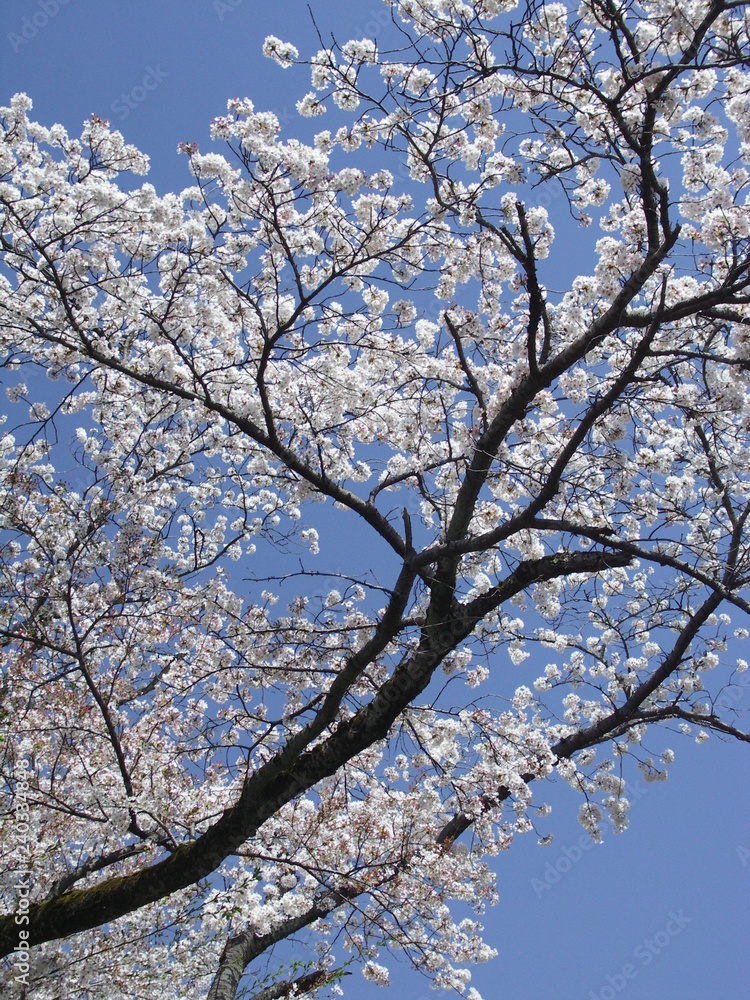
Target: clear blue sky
656, 913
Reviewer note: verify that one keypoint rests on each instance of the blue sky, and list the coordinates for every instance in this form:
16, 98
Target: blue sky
658, 912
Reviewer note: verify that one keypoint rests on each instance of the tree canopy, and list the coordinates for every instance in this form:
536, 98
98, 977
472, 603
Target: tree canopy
344, 505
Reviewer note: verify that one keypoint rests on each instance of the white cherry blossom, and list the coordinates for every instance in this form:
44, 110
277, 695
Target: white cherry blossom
298, 462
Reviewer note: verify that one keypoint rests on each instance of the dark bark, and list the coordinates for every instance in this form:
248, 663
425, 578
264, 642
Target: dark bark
294, 770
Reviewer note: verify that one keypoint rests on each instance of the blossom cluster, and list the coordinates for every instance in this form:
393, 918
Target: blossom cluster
208, 390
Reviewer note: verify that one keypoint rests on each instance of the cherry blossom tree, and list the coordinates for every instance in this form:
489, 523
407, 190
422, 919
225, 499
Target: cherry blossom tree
343, 506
